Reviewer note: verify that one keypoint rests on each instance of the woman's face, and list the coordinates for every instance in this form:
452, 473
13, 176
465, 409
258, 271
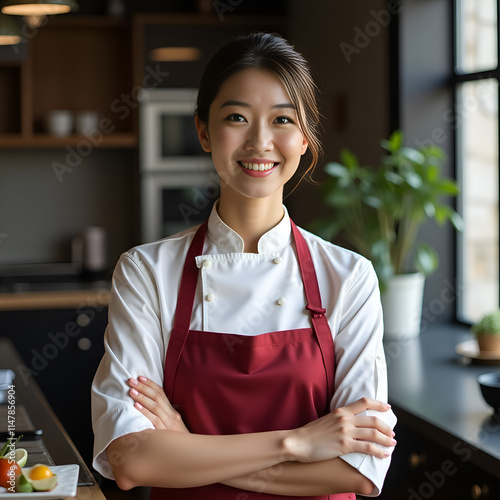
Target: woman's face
253, 134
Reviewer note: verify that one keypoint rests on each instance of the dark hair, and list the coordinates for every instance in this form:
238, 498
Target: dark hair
275, 54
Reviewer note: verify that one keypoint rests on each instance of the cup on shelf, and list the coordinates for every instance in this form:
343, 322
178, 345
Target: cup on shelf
60, 122
87, 121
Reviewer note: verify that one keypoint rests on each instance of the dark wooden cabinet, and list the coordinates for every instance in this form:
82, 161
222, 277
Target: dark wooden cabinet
61, 349
422, 469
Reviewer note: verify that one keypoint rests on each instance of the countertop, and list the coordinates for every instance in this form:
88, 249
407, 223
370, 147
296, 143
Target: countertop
55, 438
434, 391
26, 296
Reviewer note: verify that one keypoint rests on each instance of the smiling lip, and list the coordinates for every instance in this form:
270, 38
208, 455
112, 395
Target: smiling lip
258, 167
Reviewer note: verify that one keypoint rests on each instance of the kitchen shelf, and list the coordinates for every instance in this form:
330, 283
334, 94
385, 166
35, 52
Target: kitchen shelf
187, 19
75, 63
115, 140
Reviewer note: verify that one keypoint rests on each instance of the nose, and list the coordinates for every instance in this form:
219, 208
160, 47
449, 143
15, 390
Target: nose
260, 138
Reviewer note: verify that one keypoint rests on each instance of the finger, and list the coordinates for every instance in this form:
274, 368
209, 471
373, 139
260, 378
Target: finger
157, 396
375, 436
370, 449
373, 423
152, 390
364, 404
152, 406
150, 383
156, 421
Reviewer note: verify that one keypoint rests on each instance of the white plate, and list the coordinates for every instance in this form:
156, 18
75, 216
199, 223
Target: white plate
67, 480
470, 349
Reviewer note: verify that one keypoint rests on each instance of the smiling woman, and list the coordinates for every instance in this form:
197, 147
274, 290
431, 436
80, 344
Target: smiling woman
275, 357
251, 139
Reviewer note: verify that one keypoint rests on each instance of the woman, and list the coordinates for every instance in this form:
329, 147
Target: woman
252, 349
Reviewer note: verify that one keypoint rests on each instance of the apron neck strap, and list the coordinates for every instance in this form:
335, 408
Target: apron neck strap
315, 308
189, 279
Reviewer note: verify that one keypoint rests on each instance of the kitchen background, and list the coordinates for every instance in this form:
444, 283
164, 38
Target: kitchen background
376, 72
93, 64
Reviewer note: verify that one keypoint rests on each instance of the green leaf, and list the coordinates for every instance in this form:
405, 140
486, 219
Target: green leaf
348, 158
414, 180
448, 187
393, 177
457, 221
430, 209
336, 170
413, 155
426, 259
396, 140
373, 201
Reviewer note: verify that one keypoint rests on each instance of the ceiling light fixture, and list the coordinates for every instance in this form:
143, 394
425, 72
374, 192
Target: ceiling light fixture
171, 54
37, 7
10, 31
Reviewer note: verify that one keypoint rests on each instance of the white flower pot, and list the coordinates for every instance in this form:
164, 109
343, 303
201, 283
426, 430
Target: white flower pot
402, 306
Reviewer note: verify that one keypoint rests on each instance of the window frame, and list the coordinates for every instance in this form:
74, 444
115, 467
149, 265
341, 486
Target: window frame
457, 78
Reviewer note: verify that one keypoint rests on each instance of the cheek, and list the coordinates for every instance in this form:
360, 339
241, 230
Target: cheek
293, 145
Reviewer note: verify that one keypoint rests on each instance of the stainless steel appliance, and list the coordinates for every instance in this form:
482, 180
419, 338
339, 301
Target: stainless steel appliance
178, 181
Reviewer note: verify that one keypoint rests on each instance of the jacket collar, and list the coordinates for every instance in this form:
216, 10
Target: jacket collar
223, 236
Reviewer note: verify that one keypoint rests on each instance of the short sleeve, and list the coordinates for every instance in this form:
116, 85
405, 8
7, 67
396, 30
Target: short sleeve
134, 345
360, 362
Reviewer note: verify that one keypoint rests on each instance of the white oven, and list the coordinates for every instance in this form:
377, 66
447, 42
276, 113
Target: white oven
178, 181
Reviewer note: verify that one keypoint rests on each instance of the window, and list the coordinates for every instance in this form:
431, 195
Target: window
477, 137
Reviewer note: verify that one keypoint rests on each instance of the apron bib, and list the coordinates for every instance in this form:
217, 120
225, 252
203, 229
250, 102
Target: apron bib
233, 384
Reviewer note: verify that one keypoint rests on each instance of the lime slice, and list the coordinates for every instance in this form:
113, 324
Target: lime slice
21, 457
23, 484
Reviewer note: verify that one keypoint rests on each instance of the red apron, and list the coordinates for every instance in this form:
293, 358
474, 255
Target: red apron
232, 384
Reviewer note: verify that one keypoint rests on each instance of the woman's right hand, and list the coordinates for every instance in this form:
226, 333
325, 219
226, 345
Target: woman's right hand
340, 432
151, 401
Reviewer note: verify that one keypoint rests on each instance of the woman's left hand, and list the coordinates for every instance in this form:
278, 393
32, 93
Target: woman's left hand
151, 401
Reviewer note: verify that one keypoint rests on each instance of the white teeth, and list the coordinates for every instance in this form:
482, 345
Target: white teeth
257, 166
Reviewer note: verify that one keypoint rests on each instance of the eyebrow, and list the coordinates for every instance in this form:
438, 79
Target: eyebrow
286, 105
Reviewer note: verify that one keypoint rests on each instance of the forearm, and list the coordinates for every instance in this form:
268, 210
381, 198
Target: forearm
170, 459
305, 479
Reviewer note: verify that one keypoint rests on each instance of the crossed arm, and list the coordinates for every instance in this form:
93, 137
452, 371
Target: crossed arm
298, 462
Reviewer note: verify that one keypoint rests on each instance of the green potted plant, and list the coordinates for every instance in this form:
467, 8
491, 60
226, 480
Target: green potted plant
379, 211
487, 332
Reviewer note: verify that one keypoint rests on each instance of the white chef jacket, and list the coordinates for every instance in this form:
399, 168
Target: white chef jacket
243, 293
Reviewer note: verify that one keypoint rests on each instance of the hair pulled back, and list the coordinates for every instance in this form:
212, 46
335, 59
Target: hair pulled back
272, 53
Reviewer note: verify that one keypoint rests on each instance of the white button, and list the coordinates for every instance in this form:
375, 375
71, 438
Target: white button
207, 263
281, 301
210, 297
277, 260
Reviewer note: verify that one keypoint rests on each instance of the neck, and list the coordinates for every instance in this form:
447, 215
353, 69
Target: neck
250, 218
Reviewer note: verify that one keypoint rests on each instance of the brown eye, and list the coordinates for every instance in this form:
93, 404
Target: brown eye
283, 120
235, 117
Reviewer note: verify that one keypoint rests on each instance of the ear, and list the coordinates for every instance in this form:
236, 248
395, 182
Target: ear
305, 145
202, 129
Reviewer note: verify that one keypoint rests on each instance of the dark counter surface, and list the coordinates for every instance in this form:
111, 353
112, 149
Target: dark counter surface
54, 437
435, 391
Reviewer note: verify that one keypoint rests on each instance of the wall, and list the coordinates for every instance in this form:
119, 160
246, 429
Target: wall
39, 214
426, 99
346, 44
